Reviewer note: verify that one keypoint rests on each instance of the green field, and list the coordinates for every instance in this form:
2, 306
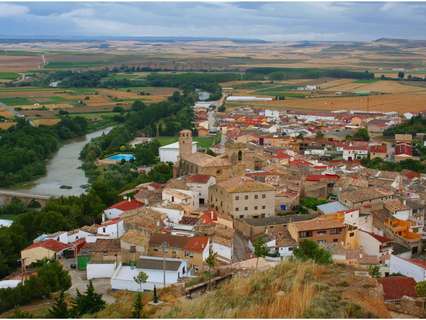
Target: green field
203, 142
8, 75
15, 101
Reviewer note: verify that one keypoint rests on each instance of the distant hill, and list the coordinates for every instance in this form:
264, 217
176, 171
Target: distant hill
400, 42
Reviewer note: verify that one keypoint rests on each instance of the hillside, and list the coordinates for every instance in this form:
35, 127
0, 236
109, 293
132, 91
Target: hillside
291, 289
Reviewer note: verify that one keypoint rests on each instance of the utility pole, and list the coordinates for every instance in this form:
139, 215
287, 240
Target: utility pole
164, 246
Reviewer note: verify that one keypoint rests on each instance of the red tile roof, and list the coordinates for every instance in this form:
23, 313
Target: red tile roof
378, 148
419, 262
395, 287
377, 237
110, 222
127, 205
319, 177
50, 244
197, 244
209, 217
198, 178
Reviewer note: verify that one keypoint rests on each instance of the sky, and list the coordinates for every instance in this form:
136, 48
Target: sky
272, 21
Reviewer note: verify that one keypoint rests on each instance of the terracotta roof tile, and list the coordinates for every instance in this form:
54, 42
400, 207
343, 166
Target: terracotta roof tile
127, 205
395, 287
50, 244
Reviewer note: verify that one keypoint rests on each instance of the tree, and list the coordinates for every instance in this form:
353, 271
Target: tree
140, 279
155, 295
137, 311
421, 289
361, 135
211, 263
260, 249
310, 250
60, 308
374, 271
88, 303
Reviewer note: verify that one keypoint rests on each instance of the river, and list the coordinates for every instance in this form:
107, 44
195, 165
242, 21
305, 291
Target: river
64, 169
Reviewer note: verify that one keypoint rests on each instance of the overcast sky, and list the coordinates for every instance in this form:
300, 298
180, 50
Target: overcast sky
262, 20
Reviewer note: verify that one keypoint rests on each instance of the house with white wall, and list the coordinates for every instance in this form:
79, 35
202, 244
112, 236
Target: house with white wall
414, 268
375, 245
186, 198
170, 152
116, 210
199, 184
123, 276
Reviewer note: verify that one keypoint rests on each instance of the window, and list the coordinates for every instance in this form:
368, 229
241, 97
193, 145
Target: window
236, 209
240, 155
351, 234
335, 240
246, 197
263, 207
245, 208
241, 216
262, 215
305, 234
255, 207
156, 249
256, 196
237, 198
290, 249
103, 229
320, 232
263, 196
334, 231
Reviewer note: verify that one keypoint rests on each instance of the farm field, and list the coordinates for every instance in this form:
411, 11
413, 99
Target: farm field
382, 95
19, 63
79, 100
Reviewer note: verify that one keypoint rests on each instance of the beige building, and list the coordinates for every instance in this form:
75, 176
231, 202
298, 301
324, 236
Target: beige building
356, 198
233, 162
48, 249
323, 231
243, 197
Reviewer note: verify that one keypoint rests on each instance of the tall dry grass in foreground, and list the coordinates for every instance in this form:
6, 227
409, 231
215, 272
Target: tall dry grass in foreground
284, 291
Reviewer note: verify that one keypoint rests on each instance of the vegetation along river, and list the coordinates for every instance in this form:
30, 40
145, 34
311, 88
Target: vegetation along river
64, 170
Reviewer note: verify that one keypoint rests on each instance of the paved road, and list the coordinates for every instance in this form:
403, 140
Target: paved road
79, 281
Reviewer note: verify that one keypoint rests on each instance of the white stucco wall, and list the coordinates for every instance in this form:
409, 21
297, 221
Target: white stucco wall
100, 270
407, 268
369, 244
222, 250
123, 278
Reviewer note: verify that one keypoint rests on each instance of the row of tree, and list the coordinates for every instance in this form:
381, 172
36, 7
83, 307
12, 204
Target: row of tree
24, 149
50, 277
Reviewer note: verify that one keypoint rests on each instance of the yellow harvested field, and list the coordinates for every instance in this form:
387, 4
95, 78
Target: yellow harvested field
5, 113
31, 93
19, 63
45, 122
378, 86
116, 94
6, 125
48, 106
387, 103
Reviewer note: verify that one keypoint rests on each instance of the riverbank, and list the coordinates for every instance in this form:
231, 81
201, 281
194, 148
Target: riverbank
63, 169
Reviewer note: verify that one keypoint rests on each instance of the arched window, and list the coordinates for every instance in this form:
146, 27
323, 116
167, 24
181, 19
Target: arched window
240, 155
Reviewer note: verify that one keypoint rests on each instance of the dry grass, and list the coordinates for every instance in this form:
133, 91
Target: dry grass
19, 63
290, 290
6, 125
45, 122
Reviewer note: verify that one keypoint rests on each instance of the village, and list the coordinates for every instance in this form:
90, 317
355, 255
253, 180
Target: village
280, 176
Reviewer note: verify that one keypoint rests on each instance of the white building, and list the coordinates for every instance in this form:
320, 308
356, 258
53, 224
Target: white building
112, 229
247, 98
5, 223
354, 153
414, 268
123, 276
199, 184
179, 196
170, 152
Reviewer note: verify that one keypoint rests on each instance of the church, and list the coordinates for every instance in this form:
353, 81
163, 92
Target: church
236, 159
